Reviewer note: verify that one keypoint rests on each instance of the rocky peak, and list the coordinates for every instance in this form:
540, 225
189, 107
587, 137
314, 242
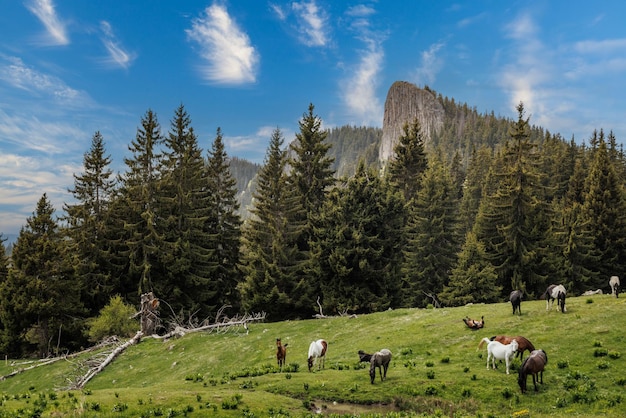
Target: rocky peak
404, 103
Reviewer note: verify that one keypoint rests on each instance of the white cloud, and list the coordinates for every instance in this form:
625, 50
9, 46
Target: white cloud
230, 57
253, 147
118, 55
18, 75
604, 47
431, 65
312, 23
44, 10
278, 11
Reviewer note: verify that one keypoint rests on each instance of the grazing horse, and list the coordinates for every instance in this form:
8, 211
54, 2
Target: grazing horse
381, 360
281, 353
615, 285
317, 350
499, 351
534, 365
555, 292
522, 342
474, 324
516, 301
364, 357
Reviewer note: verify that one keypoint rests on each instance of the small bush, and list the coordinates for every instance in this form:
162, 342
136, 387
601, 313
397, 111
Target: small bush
562, 364
589, 300
114, 319
431, 390
445, 360
597, 343
603, 365
614, 355
600, 352
429, 364
430, 374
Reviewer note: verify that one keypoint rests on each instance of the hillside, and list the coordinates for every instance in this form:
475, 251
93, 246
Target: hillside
436, 369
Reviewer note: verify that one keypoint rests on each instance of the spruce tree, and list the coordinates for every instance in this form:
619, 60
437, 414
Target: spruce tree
41, 296
223, 228
271, 259
87, 224
184, 208
432, 237
139, 208
357, 248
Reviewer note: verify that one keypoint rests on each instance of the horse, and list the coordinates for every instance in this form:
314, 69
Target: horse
516, 301
281, 353
555, 292
317, 350
534, 365
381, 360
364, 357
522, 342
615, 285
474, 324
498, 351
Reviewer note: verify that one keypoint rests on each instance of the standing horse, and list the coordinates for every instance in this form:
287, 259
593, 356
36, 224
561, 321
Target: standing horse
281, 353
381, 360
555, 292
317, 350
364, 357
498, 351
522, 342
516, 301
615, 285
534, 365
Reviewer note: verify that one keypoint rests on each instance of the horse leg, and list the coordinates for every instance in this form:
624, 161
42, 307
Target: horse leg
506, 360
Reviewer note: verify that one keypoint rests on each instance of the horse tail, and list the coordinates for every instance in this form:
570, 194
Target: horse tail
484, 340
493, 338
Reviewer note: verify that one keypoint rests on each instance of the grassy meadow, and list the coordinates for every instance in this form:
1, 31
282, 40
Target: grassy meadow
436, 370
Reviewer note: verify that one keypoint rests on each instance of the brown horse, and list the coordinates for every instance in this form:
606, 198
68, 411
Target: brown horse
522, 342
474, 324
534, 365
281, 353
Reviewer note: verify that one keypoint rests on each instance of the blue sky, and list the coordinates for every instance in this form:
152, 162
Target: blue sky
70, 68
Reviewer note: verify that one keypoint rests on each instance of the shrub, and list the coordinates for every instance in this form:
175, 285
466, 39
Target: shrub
114, 319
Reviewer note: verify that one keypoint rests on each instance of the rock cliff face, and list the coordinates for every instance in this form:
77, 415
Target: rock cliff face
404, 103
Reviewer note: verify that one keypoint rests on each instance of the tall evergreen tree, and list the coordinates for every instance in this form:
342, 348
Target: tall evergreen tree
410, 161
605, 210
432, 236
87, 223
517, 214
271, 259
41, 296
140, 206
184, 208
356, 250
224, 227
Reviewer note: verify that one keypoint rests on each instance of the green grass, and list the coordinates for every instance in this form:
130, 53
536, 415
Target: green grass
436, 370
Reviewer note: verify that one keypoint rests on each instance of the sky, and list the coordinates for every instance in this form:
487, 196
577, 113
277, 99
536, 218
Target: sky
70, 68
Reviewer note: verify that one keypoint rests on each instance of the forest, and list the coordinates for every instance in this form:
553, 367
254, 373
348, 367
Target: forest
486, 206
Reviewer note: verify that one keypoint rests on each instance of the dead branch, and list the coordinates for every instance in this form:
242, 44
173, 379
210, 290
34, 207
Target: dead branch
224, 326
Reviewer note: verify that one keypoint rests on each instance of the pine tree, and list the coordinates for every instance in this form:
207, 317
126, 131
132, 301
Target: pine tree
410, 161
139, 208
271, 260
356, 249
184, 208
224, 227
432, 237
604, 209
473, 279
41, 296
87, 223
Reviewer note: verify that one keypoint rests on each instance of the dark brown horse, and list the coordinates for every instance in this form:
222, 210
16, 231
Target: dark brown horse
364, 357
281, 353
534, 365
522, 342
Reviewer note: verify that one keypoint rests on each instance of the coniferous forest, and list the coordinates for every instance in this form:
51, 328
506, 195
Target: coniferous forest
486, 206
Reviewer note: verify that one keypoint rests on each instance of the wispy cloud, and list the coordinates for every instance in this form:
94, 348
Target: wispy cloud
230, 57
117, 55
312, 23
430, 65
17, 74
253, 147
45, 12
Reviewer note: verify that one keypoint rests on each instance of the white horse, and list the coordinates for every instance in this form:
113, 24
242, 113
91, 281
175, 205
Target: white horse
380, 359
498, 351
317, 350
615, 285
557, 292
